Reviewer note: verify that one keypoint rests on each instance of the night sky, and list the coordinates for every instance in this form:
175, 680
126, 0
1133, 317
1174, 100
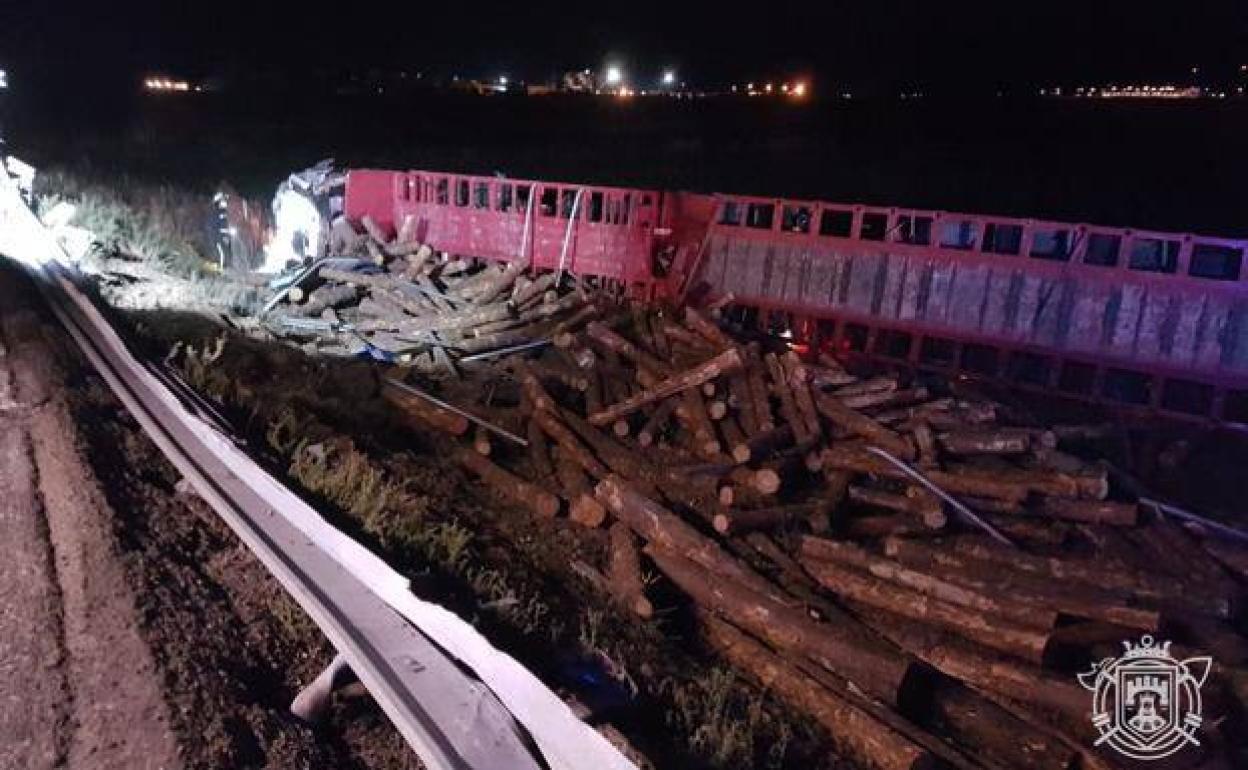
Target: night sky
860, 43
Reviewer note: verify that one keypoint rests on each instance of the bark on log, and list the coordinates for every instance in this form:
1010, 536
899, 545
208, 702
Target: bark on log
991, 631
327, 296
601, 334
982, 669
725, 363
569, 445
481, 441
886, 398
835, 487
583, 507
857, 733
1107, 512
915, 502
759, 393
784, 394
707, 329
539, 399
539, 452
996, 603
511, 487
425, 413
999, 441
979, 484
692, 412
664, 529
1085, 600
799, 383
624, 572
839, 647
861, 425
738, 522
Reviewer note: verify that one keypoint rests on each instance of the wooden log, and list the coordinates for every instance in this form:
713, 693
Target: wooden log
991, 631
883, 399
656, 421
327, 296
979, 484
724, 363
738, 522
799, 383
740, 396
982, 669
692, 412
624, 572
570, 446
533, 289
563, 334
835, 487
425, 413
763, 445
1106, 512
509, 486
998, 441
998, 738
502, 283
861, 425
855, 732
658, 526
481, 441
759, 393
536, 394
915, 502
730, 433
601, 334
993, 603
679, 335
539, 452
1085, 600
869, 527
583, 507
707, 329
570, 378
839, 647
374, 230
882, 384
779, 383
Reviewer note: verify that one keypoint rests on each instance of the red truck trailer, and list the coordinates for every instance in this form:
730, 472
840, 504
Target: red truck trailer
1142, 319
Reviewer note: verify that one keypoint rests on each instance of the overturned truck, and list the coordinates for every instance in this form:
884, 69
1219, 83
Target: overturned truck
1144, 320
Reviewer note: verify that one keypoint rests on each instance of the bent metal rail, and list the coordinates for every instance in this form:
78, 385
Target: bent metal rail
459, 703
1144, 319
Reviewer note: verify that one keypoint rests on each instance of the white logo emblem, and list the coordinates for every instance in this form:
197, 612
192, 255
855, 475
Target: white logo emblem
1146, 704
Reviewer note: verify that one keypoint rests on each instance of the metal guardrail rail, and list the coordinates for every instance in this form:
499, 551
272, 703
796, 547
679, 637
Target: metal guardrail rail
459, 703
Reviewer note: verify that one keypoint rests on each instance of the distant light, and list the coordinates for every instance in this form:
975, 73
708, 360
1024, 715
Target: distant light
769, 88
1195, 70
614, 76
502, 80
4, 80
799, 89
750, 86
669, 78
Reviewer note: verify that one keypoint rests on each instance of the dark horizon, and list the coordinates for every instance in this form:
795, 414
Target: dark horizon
970, 44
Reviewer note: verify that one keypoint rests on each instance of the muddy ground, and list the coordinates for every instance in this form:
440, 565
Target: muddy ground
137, 631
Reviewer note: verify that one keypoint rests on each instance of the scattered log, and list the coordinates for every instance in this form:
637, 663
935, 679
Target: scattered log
327, 296
509, 486
1092, 511
724, 363
838, 647
624, 572
737, 522
661, 527
861, 425
481, 441
762, 445
855, 731
569, 445
915, 502
583, 507
656, 421
425, 414
539, 452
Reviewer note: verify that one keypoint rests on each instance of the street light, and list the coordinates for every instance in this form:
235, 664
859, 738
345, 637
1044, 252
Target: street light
614, 76
669, 78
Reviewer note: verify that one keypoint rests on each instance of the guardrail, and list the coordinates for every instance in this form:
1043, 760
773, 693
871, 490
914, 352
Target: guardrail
412, 655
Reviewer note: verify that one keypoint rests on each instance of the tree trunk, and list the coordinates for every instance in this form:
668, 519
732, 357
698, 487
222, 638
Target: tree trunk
856, 733
511, 487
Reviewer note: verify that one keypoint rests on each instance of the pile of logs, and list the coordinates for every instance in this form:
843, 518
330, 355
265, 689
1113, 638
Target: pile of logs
919, 577
403, 302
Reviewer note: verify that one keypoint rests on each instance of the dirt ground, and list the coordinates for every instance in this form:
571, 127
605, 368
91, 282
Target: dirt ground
135, 630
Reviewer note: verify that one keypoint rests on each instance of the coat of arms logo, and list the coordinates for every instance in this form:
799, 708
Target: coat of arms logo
1146, 704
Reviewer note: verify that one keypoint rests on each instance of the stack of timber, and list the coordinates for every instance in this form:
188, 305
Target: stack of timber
921, 578
400, 301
